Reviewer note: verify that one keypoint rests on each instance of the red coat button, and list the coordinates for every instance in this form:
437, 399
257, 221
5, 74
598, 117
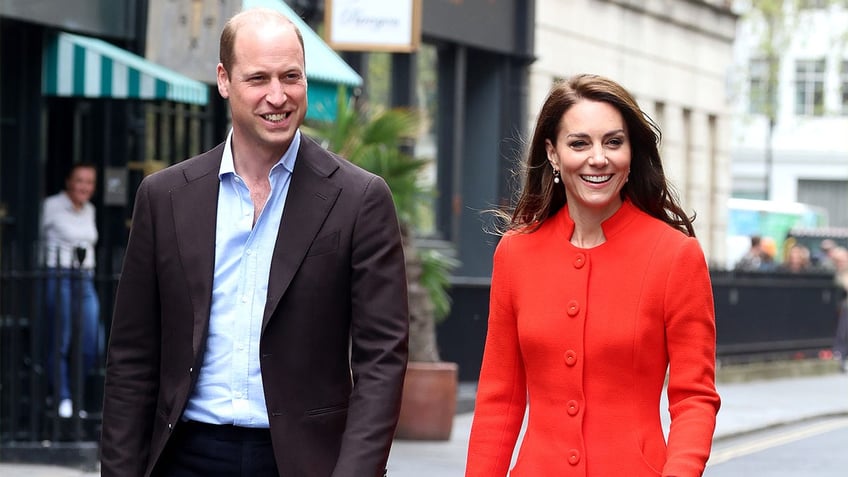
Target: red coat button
572, 407
573, 308
570, 358
579, 260
574, 457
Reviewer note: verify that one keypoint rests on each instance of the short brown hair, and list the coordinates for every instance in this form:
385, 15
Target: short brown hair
254, 16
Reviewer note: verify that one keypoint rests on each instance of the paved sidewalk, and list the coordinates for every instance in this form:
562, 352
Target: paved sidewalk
746, 406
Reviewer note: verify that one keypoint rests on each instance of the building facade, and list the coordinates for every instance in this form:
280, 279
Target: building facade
81, 82
57, 109
787, 144
674, 57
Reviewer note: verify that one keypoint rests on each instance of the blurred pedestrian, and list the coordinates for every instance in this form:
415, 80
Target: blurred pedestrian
260, 323
839, 256
756, 258
599, 288
821, 258
797, 259
69, 234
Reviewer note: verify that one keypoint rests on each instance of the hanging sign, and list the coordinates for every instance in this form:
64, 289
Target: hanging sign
373, 25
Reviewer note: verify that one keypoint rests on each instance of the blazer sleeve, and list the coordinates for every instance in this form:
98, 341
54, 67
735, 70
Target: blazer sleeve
132, 364
501, 392
691, 340
379, 335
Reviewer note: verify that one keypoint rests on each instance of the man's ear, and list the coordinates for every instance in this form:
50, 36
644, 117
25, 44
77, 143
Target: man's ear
223, 79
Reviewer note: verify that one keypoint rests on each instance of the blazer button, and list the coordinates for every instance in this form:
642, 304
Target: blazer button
573, 407
574, 457
570, 358
573, 308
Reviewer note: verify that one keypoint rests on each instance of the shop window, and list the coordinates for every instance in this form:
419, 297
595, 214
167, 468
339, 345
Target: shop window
809, 87
378, 80
173, 132
813, 4
843, 84
758, 77
426, 144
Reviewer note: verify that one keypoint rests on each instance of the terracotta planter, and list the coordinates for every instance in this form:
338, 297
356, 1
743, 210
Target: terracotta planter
428, 405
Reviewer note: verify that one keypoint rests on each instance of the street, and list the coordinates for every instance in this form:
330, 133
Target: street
793, 426
818, 448
815, 448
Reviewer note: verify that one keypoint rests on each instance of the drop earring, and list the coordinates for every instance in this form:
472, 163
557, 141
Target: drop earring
556, 176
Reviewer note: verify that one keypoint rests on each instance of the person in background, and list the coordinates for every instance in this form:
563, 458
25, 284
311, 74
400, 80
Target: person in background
769, 246
756, 258
797, 259
821, 259
69, 233
839, 257
261, 318
600, 291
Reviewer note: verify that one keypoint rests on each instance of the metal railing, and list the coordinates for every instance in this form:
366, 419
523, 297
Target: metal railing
30, 356
760, 316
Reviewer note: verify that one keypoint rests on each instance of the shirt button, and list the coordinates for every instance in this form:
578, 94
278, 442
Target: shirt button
579, 260
574, 457
573, 407
573, 308
570, 358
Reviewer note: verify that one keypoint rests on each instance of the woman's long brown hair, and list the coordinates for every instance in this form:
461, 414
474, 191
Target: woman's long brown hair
647, 187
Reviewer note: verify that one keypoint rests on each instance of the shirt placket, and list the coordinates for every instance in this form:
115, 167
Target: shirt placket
245, 299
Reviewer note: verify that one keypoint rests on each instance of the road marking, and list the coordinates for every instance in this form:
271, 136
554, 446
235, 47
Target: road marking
775, 440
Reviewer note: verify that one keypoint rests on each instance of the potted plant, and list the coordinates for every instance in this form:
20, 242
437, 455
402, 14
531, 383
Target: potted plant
379, 141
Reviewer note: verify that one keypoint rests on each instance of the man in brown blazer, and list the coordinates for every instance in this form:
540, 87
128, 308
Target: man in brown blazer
261, 321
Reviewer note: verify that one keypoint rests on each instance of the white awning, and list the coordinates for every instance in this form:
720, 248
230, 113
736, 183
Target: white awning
76, 65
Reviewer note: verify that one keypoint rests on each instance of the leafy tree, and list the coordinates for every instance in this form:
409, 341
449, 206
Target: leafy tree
778, 21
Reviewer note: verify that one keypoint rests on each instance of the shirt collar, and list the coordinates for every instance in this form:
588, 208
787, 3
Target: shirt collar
286, 161
68, 203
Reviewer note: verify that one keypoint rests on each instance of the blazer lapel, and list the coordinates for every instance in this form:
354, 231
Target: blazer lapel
195, 214
311, 197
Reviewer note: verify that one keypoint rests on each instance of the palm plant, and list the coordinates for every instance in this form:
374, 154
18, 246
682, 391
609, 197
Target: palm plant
380, 143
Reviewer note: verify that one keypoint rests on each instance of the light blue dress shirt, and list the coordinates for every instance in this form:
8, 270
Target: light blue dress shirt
229, 387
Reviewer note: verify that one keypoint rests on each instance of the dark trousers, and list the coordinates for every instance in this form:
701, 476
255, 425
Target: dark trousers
208, 450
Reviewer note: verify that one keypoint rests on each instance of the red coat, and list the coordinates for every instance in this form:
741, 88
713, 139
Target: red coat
585, 337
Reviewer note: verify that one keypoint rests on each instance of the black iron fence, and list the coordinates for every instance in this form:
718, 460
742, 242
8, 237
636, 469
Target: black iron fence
39, 357
765, 315
759, 316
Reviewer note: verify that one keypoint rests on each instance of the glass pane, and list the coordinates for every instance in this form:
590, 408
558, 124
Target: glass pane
426, 145
379, 80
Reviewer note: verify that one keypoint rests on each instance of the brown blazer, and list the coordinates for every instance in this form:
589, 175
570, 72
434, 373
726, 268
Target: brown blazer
334, 333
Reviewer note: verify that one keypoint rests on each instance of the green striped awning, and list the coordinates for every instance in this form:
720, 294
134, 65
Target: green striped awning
77, 65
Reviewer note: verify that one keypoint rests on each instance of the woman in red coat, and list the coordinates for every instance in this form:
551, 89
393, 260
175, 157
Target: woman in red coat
599, 292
